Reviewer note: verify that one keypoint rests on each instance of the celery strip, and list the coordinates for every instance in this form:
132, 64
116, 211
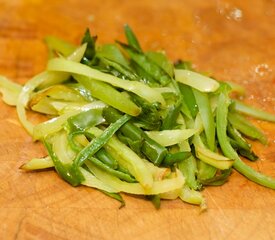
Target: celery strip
128, 159
253, 112
142, 90
38, 164
109, 95
157, 187
171, 137
10, 91
196, 80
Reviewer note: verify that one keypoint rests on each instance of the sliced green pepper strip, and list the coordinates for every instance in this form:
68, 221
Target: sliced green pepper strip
100, 141
68, 172
172, 158
150, 148
239, 165
107, 159
85, 119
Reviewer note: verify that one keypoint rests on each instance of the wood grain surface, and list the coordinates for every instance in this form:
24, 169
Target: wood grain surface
233, 40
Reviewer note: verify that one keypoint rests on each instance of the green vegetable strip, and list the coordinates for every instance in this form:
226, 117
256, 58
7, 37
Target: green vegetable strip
205, 171
189, 99
150, 148
113, 53
131, 38
115, 196
85, 119
238, 138
254, 112
247, 128
196, 80
188, 167
169, 121
218, 179
68, 172
10, 91
109, 95
150, 67
207, 117
142, 90
128, 159
239, 165
107, 169
172, 158
59, 45
120, 68
106, 158
100, 141
90, 50
153, 151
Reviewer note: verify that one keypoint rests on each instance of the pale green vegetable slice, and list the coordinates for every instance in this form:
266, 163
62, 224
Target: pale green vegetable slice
157, 187
196, 80
128, 159
141, 89
37, 164
10, 91
171, 137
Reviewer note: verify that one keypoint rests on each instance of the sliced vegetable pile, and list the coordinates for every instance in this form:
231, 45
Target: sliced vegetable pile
125, 120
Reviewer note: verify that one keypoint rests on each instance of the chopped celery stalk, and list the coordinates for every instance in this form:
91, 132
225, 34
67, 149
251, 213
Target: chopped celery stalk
213, 159
158, 173
253, 112
92, 181
121, 175
206, 117
38, 164
188, 167
205, 171
142, 90
10, 91
157, 187
171, 137
174, 194
128, 159
196, 80
24, 95
109, 95
191, 196
53, 125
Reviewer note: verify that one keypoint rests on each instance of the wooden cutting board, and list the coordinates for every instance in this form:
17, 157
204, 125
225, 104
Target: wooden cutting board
233, 40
